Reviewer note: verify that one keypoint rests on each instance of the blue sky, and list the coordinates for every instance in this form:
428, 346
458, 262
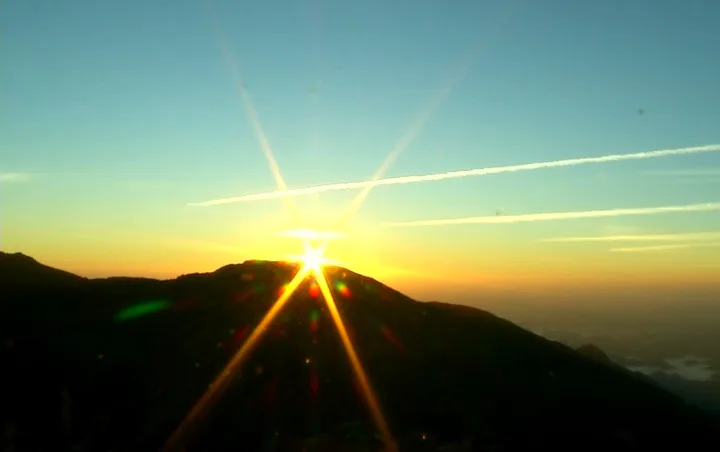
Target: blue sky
121, 113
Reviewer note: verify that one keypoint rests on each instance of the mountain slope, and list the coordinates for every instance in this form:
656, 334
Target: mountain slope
17, 268
131, 356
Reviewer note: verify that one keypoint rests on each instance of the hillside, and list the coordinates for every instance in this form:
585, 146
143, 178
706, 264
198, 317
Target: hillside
17, 268
115, 364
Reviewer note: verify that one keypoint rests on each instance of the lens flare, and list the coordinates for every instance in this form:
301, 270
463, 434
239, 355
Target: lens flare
313, 258
313, 261
362, 378
223, 379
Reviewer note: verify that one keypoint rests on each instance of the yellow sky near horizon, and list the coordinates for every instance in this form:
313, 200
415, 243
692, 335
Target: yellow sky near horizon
494, 264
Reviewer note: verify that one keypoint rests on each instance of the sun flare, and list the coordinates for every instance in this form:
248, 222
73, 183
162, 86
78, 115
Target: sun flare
313, 258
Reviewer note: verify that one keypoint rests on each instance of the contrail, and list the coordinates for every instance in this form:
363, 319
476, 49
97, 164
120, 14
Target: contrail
463, 173
223, 380
639, 237
645, 249
528, 218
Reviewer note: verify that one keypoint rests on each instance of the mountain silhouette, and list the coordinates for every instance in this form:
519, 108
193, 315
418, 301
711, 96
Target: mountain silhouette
117, 363
17, 268
594, 352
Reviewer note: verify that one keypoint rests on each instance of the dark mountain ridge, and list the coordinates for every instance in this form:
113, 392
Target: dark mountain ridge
115, 364
18, 268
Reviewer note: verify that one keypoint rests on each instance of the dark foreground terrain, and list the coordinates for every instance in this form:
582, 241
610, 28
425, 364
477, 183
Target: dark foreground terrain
115, 365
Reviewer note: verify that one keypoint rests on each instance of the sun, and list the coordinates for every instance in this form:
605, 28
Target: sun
315, 244
313, 258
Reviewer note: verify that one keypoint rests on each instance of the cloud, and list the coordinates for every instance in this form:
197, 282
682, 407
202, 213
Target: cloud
14, 177
689, 367
648, 249
554, 216
639, 237
461, 174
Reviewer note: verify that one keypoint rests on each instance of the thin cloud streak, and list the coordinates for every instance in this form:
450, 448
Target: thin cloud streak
14, 177
555, 216
460, 174
638, 237
647, 249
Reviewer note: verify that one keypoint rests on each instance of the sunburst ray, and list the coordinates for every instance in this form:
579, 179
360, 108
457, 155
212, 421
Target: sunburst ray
221, 382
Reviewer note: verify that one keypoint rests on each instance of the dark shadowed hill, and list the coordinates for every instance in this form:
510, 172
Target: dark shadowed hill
115, 364
17, 268
594, 352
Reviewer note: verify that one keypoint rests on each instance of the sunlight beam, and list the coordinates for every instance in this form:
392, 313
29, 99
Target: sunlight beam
415, 129
313, 259
221, 382
402, 180
358, 369
252, 113
417, 126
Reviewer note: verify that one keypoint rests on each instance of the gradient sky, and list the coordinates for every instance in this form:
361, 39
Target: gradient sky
116, 115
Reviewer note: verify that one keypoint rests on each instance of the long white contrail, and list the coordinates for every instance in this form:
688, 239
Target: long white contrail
461, 174
554, 216
688, 236
647, 249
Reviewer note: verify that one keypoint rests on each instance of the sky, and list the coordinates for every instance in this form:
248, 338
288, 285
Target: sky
118, 118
